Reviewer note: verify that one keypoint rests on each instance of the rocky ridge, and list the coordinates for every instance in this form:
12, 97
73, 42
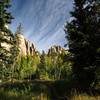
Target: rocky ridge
28, 48
25, 46
55, 50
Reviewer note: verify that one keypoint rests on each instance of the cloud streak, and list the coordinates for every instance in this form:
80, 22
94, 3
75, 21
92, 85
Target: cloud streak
42, 20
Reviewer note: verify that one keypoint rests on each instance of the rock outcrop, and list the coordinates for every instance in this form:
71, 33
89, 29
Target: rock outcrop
55, 50
25, 46
6, 41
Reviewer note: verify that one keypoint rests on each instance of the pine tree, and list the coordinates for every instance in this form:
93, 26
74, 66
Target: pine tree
5, 16
83, 36
14, 57
19, 29
6, 38
41, 70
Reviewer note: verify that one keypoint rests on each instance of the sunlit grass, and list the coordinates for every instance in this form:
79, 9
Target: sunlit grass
84, 97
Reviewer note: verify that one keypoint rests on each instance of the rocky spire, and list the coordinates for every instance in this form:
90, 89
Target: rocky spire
55, 49
25, 46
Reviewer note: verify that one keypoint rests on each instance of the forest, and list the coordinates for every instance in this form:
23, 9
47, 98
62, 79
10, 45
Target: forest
59, 73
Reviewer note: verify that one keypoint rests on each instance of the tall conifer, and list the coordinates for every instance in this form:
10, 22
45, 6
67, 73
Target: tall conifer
83, 34
6, 38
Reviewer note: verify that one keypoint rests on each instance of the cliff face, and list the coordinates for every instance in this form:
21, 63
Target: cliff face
55, 50
25, 46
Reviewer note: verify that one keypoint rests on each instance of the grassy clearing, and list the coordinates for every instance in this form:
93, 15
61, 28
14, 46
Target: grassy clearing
16, 95
38, 90
85, 97
23, 91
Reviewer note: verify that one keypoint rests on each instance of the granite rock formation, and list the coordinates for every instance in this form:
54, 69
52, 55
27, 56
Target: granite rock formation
25, 46
55, 50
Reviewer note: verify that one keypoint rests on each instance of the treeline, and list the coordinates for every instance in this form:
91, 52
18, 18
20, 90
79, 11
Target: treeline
44, 67
54, 67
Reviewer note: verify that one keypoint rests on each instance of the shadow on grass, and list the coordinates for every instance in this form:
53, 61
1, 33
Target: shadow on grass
38, 90
24, 91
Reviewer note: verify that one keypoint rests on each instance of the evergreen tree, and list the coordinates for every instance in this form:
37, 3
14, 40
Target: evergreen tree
6, 38
83, 36
5, 16
14, 57
42, 70
19, 29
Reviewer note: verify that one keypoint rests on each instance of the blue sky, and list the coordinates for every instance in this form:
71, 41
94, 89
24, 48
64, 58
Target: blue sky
42, 20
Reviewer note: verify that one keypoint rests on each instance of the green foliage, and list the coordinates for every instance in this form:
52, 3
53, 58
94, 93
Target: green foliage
25, 67
24, 91
42, 68
5, 16
83, 36
7, 41
8, 57
54, 67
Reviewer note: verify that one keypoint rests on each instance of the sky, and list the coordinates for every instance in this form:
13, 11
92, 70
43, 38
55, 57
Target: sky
42, 21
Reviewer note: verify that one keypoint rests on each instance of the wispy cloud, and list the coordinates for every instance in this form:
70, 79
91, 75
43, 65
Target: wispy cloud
42, 20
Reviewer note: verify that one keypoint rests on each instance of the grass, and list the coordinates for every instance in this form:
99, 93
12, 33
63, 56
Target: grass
23, 91
85, 97
39, 91
16, 95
